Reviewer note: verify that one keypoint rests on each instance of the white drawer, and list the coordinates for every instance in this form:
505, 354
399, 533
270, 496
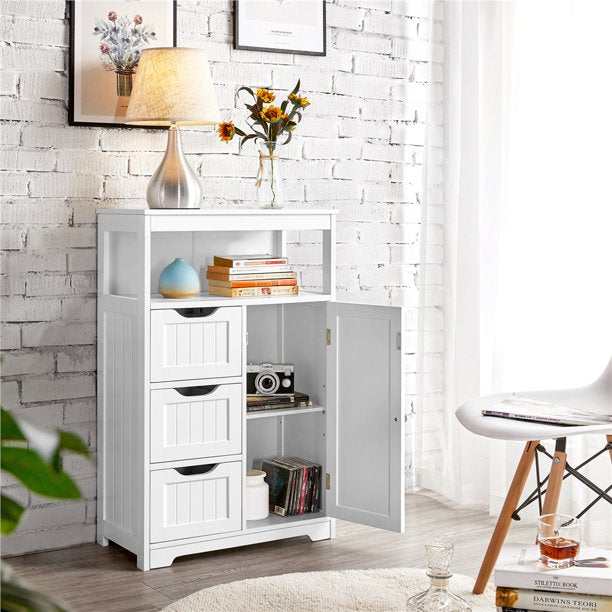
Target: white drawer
196, 343
192, 422
196, 504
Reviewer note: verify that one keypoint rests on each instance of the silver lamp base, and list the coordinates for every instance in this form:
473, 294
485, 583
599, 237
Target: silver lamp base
174, 184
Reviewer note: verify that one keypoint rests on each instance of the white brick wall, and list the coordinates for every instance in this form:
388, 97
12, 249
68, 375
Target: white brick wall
359, 150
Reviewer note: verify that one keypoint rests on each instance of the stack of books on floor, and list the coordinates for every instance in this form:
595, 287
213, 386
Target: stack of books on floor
251, 276
258, 403
295, 485
523, 583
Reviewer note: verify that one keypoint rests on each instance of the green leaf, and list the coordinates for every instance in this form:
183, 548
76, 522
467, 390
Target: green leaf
37, 475
239, 131
289, 135
299, 116
284, 105
71, 442
11, 513
296, 88
9, 428
248, 89
248, 137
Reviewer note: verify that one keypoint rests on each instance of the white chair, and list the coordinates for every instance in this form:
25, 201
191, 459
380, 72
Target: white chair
596, 397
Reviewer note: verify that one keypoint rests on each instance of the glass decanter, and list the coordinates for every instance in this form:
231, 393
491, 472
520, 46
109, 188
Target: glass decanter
439, 555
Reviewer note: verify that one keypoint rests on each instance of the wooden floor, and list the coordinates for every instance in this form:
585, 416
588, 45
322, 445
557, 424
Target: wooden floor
92, 578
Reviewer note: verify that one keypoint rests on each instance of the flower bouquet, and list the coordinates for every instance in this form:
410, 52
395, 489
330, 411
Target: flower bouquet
271, 126
121, 41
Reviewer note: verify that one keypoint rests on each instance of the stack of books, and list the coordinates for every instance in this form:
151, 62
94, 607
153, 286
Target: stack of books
251, 276
523, 583
257, 403
295, 485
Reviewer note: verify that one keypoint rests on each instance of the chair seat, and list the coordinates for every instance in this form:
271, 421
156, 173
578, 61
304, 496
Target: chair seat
470, 416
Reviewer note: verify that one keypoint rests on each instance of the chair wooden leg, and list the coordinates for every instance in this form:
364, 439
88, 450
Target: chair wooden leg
557, 469
609, 439
505, 517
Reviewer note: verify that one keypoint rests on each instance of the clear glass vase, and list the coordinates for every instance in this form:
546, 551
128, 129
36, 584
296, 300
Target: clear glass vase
269, 178
438, 598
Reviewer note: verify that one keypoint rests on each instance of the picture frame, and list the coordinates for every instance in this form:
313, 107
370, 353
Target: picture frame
103, 63
281, 26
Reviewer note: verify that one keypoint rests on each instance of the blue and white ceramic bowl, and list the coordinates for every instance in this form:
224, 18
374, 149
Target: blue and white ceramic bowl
179, 280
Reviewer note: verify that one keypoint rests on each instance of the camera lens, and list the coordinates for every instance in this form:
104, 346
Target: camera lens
267, 383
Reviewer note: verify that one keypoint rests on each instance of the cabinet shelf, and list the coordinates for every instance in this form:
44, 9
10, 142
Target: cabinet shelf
262, 414
206, 300
275, 521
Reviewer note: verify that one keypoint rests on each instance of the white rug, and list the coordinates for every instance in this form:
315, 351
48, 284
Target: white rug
381, 590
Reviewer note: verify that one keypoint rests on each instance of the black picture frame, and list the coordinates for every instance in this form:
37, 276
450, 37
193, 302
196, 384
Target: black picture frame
71, 70
239, 45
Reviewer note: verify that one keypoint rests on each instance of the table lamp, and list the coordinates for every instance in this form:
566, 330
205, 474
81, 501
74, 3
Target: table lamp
173, 87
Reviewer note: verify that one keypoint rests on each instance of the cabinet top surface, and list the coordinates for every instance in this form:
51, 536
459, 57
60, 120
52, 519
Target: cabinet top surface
216, 211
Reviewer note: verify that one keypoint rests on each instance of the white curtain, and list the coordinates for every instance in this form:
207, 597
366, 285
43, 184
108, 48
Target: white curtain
528, 226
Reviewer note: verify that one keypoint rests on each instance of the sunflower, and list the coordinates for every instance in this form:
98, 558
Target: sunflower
298, 101
265, 95
271, 114
226, 131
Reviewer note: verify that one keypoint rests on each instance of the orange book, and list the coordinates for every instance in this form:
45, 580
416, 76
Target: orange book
252, 291
278, 282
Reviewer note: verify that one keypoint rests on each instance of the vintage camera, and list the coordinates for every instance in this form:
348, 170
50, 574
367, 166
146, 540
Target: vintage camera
270, 379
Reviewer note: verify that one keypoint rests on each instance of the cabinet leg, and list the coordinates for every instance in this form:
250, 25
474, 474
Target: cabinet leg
102, 541
505, 516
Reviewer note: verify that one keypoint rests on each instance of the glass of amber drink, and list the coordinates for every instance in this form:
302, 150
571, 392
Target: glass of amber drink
558, 540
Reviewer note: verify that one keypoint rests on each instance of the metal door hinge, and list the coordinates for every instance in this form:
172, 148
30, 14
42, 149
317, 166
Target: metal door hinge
327, 481
328, 336
398, 341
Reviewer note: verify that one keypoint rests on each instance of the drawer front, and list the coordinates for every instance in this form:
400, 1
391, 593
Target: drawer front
208, 345
207, 423
197, 504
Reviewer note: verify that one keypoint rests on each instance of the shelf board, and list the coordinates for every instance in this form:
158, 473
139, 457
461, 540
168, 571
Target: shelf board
262, 414
274, 521
206, 300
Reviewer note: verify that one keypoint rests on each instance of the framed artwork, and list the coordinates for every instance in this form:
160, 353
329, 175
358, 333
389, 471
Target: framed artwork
106, 40
281, 26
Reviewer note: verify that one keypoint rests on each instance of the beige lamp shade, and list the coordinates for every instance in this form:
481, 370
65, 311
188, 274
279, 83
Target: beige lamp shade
173, 85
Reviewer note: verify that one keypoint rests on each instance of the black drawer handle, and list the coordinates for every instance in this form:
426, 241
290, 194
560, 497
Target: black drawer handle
192, 470
190, 313
191, 391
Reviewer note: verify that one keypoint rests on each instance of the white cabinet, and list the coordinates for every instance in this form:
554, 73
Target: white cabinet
175, 440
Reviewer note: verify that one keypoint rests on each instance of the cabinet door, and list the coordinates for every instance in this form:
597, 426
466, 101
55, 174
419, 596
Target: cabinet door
365, 420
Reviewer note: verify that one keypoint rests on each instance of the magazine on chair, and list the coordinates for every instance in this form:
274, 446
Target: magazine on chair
522, 408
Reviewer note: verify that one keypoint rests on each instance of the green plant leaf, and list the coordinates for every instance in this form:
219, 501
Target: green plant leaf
296, 88
289, 135
239, 131
247, 89
37, 475
71, 442
284, 105
247, 138
11, 513
9, 428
